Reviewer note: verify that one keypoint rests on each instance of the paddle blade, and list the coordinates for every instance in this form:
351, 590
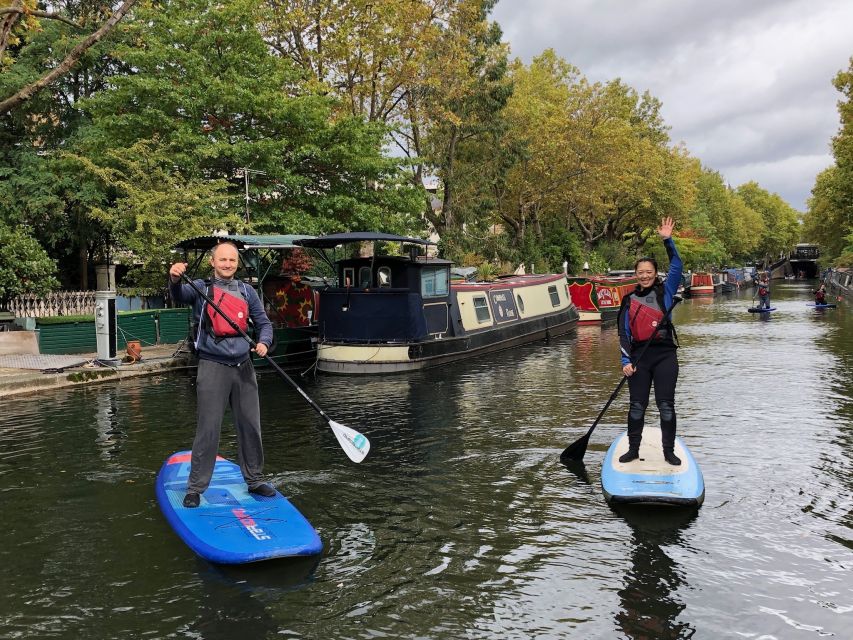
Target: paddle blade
575, 451
354, 444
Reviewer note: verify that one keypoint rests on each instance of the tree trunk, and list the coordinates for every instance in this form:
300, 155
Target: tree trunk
83, 262
537, 226
447, 204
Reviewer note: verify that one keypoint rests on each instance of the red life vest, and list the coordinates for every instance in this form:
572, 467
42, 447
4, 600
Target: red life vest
235, 307
820, 297
645, 316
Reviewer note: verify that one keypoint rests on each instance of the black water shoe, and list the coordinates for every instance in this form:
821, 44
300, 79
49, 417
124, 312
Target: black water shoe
263, 490
192, 500
632, 454
671, 458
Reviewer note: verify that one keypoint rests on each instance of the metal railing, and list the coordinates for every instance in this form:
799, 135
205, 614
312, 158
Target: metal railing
56, 303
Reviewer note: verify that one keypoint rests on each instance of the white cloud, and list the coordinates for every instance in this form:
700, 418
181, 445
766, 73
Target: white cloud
746, 85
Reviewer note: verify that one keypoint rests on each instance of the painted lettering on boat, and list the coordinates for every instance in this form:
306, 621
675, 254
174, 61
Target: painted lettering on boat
249, 523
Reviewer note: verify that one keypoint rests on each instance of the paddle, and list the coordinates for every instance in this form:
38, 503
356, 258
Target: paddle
354, 444
576, 450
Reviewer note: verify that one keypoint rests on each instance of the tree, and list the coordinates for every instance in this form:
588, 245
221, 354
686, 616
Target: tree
432, 70
732, 230
825, 222
593, 157
24, 265
212, 99
829, 219
150, 205
77, 52
781, 222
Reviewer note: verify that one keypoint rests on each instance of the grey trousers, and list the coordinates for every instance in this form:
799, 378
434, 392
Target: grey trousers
217, 386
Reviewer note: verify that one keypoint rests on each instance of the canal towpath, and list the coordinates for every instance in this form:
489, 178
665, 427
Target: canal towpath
27, 374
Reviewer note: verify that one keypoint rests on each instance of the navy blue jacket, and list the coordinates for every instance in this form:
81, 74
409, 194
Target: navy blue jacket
231, 350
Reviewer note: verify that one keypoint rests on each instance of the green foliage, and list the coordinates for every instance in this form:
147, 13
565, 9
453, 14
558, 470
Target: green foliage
781, 229
829, 219
485, 272
24, 265
209, 99
152, 204
728, 228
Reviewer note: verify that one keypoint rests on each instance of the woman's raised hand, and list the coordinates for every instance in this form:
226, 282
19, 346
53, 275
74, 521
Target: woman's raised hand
665, 228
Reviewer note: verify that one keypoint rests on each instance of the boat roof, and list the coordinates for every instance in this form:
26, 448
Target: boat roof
203, 243
333, 240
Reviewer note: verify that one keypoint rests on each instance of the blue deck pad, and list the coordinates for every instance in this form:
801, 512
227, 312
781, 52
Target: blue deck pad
821, 306
231, 525
650, 479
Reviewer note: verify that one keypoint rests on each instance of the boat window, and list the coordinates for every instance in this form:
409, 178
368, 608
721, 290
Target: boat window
482, 309
434, 282
349, 276
520, 303
555, 296
384, 276
364, 278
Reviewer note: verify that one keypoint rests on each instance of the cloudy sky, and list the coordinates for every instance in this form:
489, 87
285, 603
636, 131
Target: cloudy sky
745, 84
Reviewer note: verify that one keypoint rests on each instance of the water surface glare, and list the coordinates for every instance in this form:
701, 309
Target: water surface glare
461, 523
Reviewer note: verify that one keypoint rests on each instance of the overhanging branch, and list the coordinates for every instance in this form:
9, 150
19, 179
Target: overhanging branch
70, 60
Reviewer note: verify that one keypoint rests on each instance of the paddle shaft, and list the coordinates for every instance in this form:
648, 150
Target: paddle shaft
577, 449
245, 335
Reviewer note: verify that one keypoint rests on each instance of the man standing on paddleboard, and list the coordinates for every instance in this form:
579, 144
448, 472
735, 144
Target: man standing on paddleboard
225, 372
645, 331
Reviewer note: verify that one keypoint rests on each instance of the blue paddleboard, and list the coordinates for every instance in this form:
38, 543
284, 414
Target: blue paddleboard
757, 310
231, 525
821, 306
650, 479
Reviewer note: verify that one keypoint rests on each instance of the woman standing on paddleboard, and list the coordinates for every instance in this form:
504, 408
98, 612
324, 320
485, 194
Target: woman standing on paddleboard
645, 331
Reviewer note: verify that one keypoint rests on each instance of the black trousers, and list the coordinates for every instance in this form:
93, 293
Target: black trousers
659, 365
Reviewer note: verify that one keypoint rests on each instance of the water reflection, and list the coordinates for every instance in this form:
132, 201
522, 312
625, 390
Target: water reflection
459, 524
110, 434
650, 605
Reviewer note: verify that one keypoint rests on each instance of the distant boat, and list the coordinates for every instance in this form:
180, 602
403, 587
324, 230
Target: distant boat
598, 298
701, 284
396, 313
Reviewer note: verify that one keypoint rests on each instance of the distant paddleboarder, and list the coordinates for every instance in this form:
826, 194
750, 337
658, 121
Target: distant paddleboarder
642, 322
764, 291
820, 295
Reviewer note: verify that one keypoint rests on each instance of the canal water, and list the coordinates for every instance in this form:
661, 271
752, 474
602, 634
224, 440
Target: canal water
461, 523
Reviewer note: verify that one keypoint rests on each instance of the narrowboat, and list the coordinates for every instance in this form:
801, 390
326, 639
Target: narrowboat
701, 284
397, 313
598, 298
275, 267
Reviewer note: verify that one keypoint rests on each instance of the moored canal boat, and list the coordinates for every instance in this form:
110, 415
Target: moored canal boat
598, 298
395, 313
701, 284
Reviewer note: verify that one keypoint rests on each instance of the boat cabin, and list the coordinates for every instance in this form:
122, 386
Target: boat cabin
385, 298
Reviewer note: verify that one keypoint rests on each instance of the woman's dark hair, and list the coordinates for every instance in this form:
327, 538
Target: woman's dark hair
646, 259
